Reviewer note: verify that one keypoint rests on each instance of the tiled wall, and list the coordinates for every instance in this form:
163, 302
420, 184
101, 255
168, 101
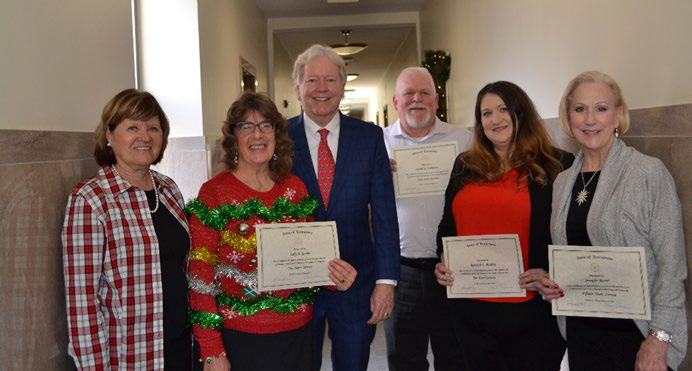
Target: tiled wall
38, 170
666, 133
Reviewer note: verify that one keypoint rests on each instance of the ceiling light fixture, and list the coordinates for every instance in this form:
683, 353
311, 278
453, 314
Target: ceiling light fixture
352, 76
347, 48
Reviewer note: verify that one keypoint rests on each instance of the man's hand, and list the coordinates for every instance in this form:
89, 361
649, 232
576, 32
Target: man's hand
392, 164
381, 302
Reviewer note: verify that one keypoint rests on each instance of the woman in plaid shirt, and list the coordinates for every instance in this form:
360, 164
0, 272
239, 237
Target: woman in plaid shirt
125, 242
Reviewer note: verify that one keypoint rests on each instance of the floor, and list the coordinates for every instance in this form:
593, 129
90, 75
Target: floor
378, 353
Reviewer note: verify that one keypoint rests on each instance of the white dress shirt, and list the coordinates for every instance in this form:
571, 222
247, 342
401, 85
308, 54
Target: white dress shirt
312, 132
313, 136
420, 216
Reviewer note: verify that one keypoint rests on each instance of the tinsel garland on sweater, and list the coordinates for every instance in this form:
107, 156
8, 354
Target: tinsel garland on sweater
250, 307
218, 217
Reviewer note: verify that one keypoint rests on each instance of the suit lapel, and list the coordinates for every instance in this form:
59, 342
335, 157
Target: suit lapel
344, 151
302, 166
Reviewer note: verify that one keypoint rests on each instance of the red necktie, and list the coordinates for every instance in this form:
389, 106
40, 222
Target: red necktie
325, 167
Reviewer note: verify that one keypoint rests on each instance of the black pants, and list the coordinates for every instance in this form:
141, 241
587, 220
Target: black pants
419, 315
283, 351
508, 336
607, 344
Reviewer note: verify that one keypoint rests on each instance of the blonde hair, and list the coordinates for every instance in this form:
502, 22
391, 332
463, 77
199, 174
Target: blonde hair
593, 77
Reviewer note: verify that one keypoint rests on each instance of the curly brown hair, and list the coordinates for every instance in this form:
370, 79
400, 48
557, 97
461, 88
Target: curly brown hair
130, 104
280, 166
531, 141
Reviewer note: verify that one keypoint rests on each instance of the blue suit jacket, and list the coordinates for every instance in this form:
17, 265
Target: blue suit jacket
362, 178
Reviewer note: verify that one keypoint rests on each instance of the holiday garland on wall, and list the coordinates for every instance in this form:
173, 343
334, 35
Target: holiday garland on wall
439, 63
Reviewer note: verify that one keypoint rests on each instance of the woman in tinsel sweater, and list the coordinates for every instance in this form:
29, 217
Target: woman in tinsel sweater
234, 324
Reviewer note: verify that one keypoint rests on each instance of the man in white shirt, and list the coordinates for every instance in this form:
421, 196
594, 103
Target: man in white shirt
343, 161
419, 313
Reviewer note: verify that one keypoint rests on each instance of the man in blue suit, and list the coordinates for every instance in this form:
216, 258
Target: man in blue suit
354, 186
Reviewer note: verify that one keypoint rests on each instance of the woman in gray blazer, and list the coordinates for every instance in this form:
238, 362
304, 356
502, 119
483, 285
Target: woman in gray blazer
614, 195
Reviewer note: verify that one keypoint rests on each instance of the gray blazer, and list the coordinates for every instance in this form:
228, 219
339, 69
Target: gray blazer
635, 204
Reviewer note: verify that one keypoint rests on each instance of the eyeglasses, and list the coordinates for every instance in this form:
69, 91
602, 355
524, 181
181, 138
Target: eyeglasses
249, 127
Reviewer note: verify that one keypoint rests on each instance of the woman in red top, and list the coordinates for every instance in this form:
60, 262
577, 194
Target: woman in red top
503, 185
233, 322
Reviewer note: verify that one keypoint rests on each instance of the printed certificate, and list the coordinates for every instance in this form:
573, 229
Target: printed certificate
600, 281
485, 266
423, 170
293, 255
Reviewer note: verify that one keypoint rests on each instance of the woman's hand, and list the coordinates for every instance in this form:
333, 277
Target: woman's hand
218, 363
342, 274
652, 355
443, 274
538, 280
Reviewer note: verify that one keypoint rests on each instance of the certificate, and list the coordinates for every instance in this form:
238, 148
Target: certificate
600, 281
485, 266
423, 170
293, 255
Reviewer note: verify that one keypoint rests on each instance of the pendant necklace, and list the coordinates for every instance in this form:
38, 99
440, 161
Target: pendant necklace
583, 195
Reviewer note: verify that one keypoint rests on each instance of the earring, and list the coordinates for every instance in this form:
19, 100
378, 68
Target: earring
235, 156
108, 144
617, 133
275, 157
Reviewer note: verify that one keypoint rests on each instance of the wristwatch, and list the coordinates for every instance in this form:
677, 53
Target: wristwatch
661, 335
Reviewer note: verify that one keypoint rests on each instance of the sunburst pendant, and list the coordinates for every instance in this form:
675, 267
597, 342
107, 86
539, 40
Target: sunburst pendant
582, 196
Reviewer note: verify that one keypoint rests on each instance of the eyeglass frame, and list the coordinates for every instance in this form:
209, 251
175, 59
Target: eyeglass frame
268, 130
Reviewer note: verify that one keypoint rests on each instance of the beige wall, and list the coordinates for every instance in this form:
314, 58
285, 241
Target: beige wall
227, 31
541, 45
406, 56
62, 60
284, 88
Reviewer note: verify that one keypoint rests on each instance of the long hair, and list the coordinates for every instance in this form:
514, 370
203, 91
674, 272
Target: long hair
280, 167
531, 152
130, 104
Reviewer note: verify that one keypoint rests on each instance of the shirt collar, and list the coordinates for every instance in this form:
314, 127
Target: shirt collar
120, 185
438, 128
312, 128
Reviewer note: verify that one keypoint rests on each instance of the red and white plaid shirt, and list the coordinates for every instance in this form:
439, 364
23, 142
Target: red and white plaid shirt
112, 273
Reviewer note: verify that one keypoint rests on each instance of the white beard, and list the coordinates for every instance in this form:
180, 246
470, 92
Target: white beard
413, 122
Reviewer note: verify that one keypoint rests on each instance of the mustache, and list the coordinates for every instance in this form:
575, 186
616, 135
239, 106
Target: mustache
417, 106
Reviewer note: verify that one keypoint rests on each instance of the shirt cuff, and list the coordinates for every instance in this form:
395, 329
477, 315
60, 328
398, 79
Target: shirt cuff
386, 282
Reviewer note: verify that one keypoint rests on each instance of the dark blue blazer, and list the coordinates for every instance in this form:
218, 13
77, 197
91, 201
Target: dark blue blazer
362, 178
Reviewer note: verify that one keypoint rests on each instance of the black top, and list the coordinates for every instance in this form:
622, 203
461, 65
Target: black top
576, 216
541, 199
174, 243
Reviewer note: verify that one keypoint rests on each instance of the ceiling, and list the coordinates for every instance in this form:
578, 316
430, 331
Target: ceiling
384, 40
370, 64
310, 8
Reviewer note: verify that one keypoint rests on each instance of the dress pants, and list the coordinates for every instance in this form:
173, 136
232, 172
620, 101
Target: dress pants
508, 336
350, 338
421, 315
602, 344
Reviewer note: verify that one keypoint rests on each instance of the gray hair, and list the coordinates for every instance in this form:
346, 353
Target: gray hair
417, 70
313, 52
